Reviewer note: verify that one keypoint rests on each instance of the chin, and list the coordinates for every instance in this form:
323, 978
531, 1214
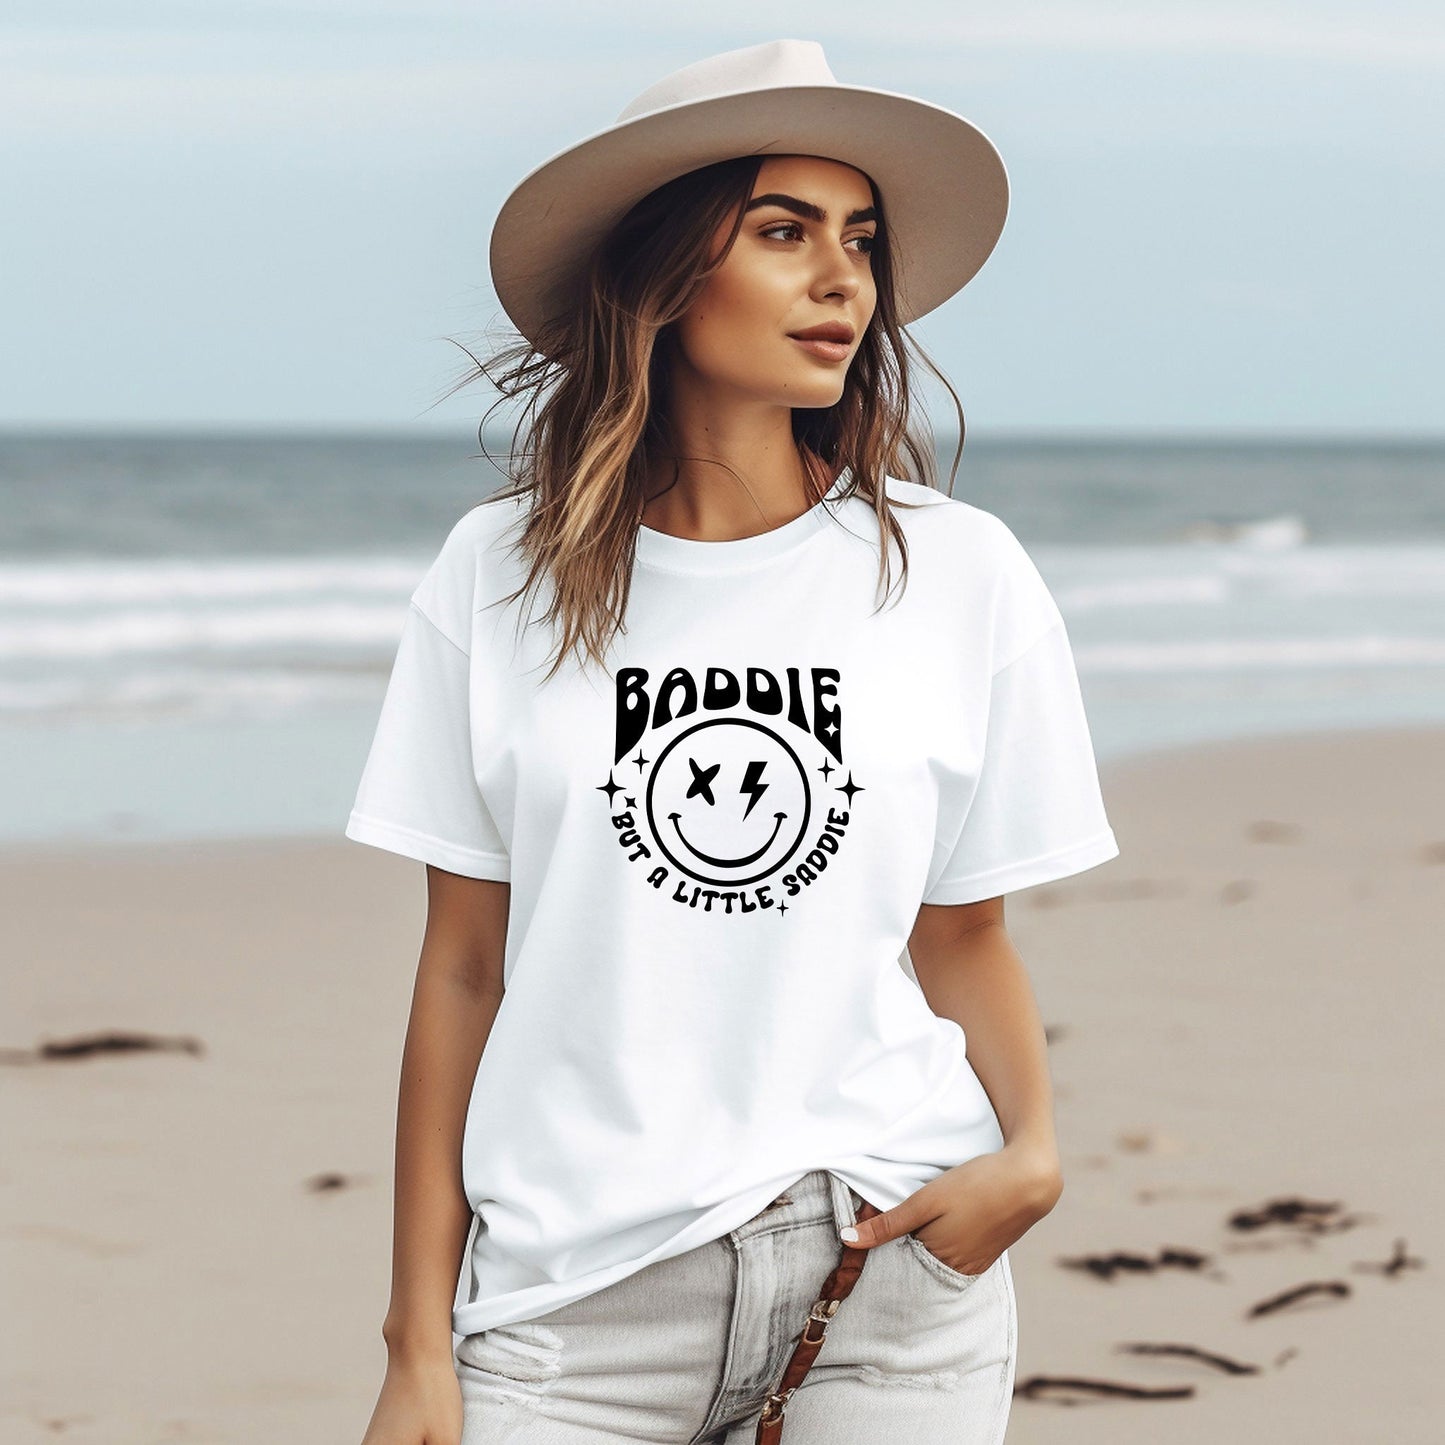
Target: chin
821, 401
814, 393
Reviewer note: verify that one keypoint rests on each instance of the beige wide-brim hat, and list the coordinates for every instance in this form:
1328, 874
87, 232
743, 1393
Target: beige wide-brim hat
943, 183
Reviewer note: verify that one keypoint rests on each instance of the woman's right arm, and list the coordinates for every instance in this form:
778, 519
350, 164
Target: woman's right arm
454, 1003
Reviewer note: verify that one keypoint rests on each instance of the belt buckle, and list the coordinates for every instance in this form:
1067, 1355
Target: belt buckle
773, 1405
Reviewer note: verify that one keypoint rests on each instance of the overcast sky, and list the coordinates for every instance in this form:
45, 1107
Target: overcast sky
1224, 216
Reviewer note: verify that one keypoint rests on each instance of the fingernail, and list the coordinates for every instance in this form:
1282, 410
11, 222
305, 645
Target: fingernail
848, 1235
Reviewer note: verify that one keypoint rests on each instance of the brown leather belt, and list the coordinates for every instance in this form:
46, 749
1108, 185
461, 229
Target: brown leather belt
810, 1340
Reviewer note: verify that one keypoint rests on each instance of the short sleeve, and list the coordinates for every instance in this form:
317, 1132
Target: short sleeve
418, 794
1037, 812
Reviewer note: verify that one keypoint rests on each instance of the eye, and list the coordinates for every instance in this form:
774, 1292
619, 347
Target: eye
794, 226
794, 230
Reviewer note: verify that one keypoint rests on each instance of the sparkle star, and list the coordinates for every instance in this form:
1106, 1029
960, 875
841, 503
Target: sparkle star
826, 769
850, 788
610, 788
640, 760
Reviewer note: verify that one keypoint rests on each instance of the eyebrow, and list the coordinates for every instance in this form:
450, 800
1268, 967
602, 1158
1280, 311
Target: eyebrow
807, 208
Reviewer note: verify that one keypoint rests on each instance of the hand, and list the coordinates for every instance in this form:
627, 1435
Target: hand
968, 1215
420, 1402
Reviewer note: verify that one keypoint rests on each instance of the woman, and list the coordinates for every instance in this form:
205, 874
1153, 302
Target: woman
678, 841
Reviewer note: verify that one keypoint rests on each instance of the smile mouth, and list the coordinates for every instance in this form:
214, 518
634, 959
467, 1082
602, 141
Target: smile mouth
676, 821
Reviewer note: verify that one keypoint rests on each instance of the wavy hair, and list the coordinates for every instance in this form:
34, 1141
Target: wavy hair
595, 424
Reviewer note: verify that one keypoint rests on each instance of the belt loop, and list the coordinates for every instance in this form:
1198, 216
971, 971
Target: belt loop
845, 1201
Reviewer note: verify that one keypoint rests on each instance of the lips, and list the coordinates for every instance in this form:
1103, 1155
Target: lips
838, 331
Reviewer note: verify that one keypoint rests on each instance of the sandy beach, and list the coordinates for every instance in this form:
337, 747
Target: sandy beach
1245, 1018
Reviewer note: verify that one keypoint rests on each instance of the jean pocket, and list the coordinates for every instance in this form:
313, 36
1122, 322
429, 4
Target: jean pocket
935, 1266
522, 1356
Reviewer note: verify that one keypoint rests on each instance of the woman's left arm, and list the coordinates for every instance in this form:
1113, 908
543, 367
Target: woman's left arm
970, 972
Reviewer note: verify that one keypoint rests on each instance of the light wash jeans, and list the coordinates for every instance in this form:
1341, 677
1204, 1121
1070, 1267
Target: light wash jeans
683, 1351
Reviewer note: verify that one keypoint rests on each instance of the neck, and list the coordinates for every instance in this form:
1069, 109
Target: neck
739, 470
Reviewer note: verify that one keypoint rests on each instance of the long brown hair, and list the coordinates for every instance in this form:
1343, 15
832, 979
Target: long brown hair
595, 420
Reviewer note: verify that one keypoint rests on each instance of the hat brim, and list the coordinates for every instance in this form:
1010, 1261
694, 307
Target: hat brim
943, 183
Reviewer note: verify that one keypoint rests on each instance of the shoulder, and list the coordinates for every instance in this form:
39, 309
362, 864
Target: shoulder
483, 529
990, 572
470, 561
937, 510
972, 532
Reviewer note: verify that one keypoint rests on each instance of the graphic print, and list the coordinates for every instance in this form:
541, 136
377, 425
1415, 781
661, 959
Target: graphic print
728, 801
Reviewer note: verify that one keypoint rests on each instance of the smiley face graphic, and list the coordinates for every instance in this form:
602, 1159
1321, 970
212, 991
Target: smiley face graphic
728, 801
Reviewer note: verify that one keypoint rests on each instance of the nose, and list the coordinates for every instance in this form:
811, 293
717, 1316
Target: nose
837, 273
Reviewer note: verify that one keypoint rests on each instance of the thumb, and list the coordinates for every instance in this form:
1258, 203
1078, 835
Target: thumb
873, 1226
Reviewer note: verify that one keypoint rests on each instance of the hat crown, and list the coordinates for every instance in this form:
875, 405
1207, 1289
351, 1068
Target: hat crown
755, 67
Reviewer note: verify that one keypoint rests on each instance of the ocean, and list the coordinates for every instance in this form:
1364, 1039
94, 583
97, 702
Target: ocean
196, 631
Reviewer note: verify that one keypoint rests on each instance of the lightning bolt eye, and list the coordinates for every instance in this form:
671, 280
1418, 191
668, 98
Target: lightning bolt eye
752, 784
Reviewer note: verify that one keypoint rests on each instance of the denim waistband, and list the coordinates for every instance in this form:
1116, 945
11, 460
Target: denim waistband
818, 1196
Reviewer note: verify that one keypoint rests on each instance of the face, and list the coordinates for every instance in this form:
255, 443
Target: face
728, 801
800, 262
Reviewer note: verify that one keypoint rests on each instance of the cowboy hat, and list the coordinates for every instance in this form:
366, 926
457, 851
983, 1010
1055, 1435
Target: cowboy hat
943, 183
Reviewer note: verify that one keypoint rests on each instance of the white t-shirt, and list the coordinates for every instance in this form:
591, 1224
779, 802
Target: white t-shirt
717, 850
